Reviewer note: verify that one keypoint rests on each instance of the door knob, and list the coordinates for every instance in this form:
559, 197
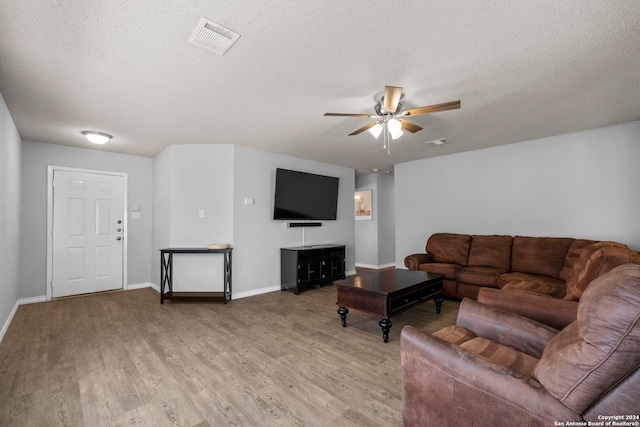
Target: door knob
119, 221
118, 238
118, 229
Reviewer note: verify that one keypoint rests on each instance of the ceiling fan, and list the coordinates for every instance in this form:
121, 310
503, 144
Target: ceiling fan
391, 118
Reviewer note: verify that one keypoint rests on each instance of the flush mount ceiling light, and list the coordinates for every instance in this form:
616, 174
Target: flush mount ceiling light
97, 137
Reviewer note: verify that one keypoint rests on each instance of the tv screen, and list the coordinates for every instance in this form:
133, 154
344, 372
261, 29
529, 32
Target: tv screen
301, 195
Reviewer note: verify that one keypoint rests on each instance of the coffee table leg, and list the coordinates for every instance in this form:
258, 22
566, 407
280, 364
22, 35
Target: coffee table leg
385, 324
342, 311
438, 301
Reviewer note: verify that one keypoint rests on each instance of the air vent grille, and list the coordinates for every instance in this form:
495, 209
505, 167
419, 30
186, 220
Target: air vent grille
214, 37
440, 141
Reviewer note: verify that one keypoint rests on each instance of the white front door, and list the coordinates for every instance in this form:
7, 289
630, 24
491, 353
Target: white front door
88, 228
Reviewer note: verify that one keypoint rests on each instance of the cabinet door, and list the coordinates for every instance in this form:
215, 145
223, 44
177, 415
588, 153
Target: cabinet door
332, 267
309, 270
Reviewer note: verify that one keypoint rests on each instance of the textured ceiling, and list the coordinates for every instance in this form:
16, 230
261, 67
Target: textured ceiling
522, 70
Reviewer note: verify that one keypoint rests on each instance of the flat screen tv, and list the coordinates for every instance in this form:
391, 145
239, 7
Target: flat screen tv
301, 195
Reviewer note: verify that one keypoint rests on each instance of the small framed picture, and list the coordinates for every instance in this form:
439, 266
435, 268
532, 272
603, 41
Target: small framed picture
363, 205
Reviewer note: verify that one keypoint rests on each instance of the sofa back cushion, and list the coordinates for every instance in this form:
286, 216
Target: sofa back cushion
491, 251
449, 248
573, 264
600, 259
539, 255
601, 348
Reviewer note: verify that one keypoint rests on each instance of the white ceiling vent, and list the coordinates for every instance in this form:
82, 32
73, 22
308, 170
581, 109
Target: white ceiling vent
437, 141
213, 37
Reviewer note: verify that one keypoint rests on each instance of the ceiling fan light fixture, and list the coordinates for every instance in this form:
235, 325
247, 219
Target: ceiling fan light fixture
394, 126
376, 130
98, 138
397, 134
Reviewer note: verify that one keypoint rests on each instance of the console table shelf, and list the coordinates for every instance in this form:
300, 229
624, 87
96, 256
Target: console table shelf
166, 276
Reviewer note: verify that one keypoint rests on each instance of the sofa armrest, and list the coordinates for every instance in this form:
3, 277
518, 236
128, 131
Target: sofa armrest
505, 328
557, 313
413, 261
446, 385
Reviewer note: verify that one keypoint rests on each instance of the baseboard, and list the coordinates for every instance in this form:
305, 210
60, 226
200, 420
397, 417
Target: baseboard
32, 300
142, 285
375, 267
21, 301
255, 292
350, 272
236, 295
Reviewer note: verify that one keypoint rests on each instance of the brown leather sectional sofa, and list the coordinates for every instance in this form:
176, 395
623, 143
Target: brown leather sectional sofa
495, 368
539, 277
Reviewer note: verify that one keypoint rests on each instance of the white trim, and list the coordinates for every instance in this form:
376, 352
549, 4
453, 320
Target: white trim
32, 300
21, 301
5, 327
375, 267
350, 272
142, 285
255, 292
50, 170
238, 295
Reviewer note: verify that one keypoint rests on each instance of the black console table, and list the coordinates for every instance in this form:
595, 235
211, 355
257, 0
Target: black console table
166, 276
305, 266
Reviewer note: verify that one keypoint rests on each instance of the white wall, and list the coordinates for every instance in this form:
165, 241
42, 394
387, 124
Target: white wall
9, 215
375, 239
582, 185
386, 221
36, 156
189, 178
258, 238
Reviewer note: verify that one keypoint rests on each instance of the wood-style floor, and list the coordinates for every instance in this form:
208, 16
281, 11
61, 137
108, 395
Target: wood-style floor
121, 358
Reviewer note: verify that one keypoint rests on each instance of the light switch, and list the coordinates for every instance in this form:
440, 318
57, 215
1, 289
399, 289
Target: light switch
135, 215
249, 201
201, 213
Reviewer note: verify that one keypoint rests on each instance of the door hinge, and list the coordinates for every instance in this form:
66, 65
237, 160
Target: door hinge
52, 286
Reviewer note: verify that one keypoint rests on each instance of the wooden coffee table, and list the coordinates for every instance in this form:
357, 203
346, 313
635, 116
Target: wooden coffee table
388, 292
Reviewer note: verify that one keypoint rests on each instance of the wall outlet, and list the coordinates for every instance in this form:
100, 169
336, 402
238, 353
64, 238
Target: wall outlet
201, 213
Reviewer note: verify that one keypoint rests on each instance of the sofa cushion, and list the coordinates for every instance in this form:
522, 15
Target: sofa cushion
449, 248
572, 262
601, 347
491, 251
507, 278
455, 334
552, 288
479, 276
502, 355
539, 255
605, 257
449, 270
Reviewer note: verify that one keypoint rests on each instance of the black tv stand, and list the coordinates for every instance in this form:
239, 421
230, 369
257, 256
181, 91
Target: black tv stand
306, 266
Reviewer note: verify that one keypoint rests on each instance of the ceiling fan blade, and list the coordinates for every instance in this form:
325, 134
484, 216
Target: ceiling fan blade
411, 127
363, 128
431, 109
392, 96
367, 116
